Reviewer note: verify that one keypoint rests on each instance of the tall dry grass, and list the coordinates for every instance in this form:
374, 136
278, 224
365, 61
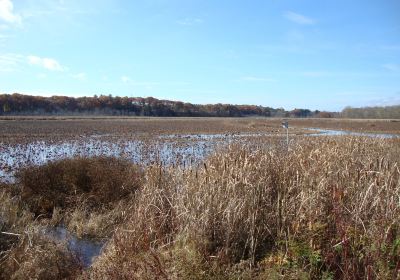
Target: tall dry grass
328, 208
37, 257
25, 253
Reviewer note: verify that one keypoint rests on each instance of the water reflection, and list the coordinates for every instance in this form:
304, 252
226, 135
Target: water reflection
85, 249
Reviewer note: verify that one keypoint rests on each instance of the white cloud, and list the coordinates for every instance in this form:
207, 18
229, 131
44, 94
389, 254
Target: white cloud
47, 63
392, 67
298, 18
190, 21
7, 12
256, 79
80, 76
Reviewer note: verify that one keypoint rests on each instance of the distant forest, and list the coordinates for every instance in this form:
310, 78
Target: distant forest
388, 112
18, 104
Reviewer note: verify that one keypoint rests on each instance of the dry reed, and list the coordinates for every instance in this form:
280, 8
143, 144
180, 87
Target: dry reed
327, 208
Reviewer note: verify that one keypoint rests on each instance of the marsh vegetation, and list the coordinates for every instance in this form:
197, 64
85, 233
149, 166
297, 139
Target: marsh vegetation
249, 209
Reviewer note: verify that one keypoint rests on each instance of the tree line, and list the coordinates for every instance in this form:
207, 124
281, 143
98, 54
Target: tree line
18, 104
386, 112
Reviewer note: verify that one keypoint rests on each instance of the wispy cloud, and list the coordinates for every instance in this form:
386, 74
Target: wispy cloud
47, 63
190, 21
298, 18
7, 12
256, 79
391, 67
11, 62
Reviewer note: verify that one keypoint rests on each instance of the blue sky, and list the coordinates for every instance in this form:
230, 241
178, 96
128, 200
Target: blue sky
280, 53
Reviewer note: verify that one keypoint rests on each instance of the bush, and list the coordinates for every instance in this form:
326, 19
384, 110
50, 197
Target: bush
99, 181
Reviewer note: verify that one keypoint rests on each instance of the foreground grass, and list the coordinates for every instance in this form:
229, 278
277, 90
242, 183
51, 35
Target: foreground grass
327, 209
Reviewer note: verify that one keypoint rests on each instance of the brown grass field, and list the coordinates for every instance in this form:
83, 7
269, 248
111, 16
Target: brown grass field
15, 129
324, 208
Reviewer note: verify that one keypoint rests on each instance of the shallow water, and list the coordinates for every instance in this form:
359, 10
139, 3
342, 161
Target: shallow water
85, 249
13, 157
330, 132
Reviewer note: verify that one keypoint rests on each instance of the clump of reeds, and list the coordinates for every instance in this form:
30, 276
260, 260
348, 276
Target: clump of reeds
13, 219
66, 183
25, 252
327, 208
34, 256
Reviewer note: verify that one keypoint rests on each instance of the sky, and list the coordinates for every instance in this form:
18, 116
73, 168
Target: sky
321, 55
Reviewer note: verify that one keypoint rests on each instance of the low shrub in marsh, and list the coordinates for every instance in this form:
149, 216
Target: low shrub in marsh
99, 181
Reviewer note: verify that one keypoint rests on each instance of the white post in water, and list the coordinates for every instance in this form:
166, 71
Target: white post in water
285, 124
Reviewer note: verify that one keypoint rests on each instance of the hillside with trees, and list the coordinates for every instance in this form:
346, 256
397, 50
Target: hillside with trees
18, 104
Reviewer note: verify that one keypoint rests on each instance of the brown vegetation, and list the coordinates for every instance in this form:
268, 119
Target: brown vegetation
24, 251
18, 130
65, 184
327, 208
37, 257
357, 125
27, 129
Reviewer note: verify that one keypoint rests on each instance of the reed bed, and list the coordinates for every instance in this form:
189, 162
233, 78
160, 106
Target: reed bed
327, 208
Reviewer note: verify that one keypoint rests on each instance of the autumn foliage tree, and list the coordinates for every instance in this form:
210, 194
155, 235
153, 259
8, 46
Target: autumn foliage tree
18, 104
